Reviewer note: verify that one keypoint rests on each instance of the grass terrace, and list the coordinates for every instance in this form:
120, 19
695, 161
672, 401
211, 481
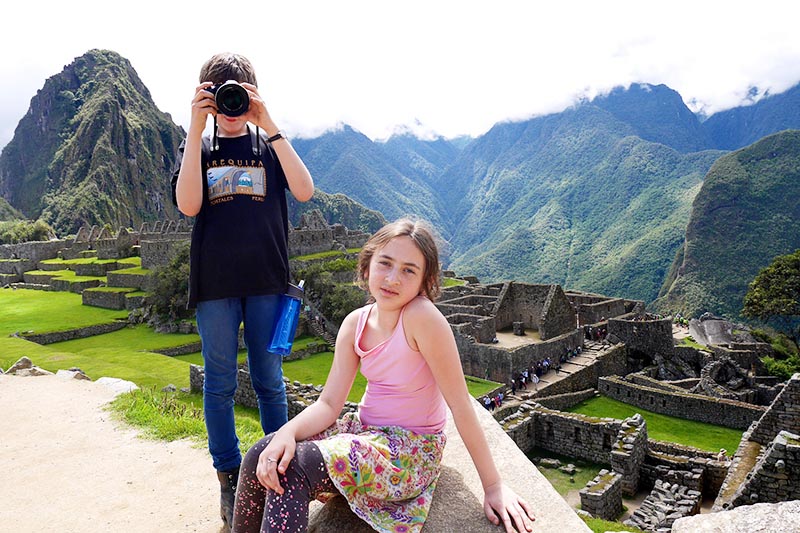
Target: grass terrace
666, 428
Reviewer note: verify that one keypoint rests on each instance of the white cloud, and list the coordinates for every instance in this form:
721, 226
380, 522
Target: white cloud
444, 66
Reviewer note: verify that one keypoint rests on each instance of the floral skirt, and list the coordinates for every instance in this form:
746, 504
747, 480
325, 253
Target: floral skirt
387, 474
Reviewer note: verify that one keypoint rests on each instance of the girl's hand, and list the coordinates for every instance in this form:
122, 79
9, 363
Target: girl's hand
501, 504
274, 460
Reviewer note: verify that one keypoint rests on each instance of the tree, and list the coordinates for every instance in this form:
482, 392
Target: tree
774, 295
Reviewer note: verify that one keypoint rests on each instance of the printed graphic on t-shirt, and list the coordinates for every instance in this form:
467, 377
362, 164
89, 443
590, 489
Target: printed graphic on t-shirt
227, 181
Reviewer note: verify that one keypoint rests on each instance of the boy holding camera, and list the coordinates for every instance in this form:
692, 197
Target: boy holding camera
234, 184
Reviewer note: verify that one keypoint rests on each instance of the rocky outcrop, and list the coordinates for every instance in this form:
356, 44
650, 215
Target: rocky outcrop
784, 516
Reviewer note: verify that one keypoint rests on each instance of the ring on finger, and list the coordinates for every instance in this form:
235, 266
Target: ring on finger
271, 460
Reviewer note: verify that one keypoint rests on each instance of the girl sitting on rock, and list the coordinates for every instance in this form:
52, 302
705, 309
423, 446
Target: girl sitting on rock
385, 459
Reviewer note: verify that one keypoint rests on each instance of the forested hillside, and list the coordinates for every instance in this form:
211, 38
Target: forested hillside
746, 213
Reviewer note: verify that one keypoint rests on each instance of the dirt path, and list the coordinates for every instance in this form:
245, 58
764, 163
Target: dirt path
66, 466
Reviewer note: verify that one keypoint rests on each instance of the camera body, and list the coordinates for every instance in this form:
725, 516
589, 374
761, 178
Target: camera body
231, 98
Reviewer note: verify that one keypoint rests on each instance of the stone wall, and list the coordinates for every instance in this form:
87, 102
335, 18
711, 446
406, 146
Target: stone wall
558, 316
573, 435
77, 333
776, 476
783, 413
544, 308
562, 402
602, 496
34, 251
160, 252
611, 362
728, 413
645, 336
596, 312
498, 364
105, 298
629, 451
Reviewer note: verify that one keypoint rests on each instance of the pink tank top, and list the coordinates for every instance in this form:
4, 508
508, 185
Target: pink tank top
401, 390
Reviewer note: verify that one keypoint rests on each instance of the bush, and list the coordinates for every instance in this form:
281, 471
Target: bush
171, 292
17, 231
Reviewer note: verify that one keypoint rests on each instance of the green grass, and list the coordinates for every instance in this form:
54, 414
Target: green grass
44, 311
598, 525
146, 369
561, 481
171, 416
65, 274
666, 428
689, 341
452, 282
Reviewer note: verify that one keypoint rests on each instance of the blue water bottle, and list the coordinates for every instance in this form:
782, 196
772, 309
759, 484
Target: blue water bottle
286, 321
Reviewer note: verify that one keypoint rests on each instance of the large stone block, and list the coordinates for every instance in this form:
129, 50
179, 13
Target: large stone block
784, 516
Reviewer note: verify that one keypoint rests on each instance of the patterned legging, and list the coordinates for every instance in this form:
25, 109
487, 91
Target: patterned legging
259, 509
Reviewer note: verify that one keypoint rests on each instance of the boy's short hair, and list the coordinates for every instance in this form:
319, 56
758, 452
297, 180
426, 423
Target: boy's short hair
422, 235
227, 66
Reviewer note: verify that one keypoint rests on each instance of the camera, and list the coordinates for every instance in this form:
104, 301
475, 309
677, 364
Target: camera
231, 98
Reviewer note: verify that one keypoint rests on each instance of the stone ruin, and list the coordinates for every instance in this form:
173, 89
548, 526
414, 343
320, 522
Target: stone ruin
157, 242
477, 313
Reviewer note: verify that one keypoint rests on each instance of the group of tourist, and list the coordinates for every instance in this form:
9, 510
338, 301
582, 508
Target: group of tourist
595, 333
533, 374
493, 402
680, 321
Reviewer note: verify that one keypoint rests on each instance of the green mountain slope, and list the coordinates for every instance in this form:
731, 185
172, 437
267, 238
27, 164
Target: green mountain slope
92, 149
348, 162
658, 114
746, 213
579, 200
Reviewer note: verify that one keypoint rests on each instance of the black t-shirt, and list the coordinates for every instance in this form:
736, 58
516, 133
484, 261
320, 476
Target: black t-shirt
240, 236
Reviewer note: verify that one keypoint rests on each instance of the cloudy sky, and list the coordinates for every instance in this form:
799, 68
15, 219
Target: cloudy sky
434, 66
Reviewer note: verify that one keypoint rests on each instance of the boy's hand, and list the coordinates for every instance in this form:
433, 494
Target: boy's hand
257, 113
203, 104
503, 506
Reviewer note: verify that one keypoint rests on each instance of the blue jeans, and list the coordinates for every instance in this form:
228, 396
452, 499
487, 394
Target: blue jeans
218, 322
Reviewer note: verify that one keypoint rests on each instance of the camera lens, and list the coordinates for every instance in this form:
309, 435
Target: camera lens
232, 99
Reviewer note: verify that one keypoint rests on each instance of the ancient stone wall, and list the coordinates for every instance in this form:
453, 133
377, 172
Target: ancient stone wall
34, 251
728, 413
522, 302
497, 364
562, 402
629, 451
568, 434
645, 336
160, 252
602, 496
783, 413
611, 362
558, 316
593, 313
77, 333
104, 298
776, 476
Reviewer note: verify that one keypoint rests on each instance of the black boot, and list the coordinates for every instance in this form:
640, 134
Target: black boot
227, 486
